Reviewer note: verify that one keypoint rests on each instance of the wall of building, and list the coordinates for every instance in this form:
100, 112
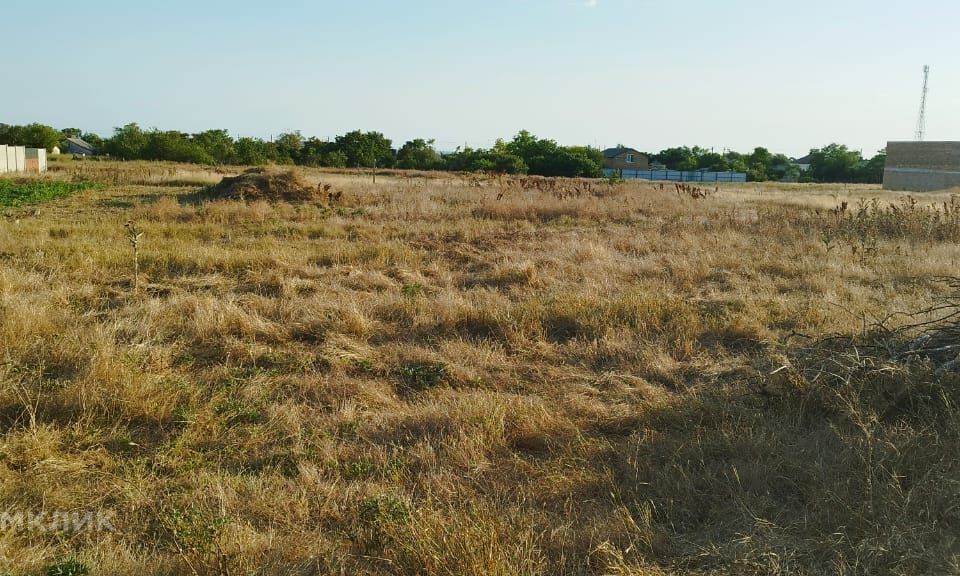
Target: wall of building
640, 162
922, 166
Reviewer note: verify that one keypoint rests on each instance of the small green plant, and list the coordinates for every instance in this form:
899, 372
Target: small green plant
421, 375
412, 290
382, 509
69, 567
193, 530
360, 469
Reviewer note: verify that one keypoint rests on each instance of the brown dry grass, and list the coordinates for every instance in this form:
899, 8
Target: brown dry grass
425, 380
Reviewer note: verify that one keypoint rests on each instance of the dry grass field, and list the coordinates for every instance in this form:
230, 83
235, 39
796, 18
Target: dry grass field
422, 379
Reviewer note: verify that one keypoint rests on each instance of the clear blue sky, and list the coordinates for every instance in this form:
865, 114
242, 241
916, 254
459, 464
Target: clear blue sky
734, 74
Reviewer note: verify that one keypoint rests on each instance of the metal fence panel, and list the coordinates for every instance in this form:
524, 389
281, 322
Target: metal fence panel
677, 176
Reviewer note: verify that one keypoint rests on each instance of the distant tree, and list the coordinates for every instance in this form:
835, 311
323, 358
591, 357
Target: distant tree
713, 161
334, 159
71, 133
251, 152
681, 158
94, 140
289, 146
127, 143
419, 154
546, 158
536, 153
782, 168
498, 161
576, 162
314, 150
366, 149
759, 165
217, 144
871, 171
834, 163
31, 135
174, 146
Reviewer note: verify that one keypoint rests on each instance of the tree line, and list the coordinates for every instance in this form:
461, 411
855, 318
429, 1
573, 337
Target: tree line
832, 163
523, 154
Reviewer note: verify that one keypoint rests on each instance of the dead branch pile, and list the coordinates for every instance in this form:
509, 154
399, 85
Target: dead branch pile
929, 337
267, 184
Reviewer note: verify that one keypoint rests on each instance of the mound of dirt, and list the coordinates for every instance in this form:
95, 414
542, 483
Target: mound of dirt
266, 184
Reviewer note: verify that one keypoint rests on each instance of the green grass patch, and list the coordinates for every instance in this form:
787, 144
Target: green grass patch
15, 193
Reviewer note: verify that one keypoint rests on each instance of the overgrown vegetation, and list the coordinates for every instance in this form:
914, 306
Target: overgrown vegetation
446, 374
21, 192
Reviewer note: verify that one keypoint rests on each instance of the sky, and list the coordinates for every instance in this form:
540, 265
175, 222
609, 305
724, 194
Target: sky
789, 76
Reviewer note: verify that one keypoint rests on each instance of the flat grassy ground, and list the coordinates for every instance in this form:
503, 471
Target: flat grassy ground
423, 379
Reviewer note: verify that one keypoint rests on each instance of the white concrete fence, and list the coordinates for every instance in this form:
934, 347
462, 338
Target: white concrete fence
22, 159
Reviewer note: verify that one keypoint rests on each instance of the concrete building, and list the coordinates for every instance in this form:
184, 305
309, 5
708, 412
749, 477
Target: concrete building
922, 166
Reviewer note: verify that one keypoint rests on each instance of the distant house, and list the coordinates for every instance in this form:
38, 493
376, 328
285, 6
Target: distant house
78, 147
802, 163
625, 159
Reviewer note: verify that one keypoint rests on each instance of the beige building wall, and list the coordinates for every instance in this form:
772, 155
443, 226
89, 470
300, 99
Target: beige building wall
922, 166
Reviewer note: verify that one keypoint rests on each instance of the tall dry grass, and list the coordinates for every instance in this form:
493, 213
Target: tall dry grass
423, 379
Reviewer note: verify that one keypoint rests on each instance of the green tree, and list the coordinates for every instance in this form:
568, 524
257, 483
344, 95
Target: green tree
174, 146
334, 158
31, 135
419, 154
499, 161
871, 171
834, 163
681, 158
289, 146
713, 161
251, 152
217, 144
366, 149
127, 143
94, 140
575, 162
546, 158
759, 165
782, 168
